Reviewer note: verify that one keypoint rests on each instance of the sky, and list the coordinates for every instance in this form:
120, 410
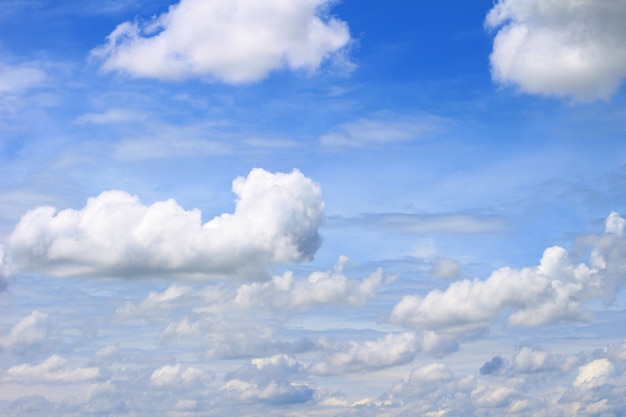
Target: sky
312, 208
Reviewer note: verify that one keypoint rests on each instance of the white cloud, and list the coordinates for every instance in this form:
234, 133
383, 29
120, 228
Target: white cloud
559, 47
30, 330
594, 373
553, 291
276, 220
383, 128
431, 373
321, 287
394, 349
234, 41
173, 376
154, 303
53, 369
276, 380
531, 360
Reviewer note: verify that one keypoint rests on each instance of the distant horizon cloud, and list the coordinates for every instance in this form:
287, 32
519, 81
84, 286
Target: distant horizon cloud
275, 221
230, 41
559, 48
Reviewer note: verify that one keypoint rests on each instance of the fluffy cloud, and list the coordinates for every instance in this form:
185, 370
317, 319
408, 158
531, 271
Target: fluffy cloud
53, 369
559, 47
31, 330
173, 376
322, 287
234, 41
276, 220
551, 292
594, 373
393, 349
275, 380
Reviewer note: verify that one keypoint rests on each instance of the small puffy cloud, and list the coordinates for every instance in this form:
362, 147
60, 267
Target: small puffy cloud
594, 373
559, 48
30, 330
234, 41
320, 288
173, 376
391, 350
487, 396
383, 128
54, 369
529, 360
553, 291
431, 373
154, 303
446, 268
276, 220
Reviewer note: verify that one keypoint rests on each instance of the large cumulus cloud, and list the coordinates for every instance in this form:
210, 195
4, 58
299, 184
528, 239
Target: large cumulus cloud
234, 41
276, 220
559, 47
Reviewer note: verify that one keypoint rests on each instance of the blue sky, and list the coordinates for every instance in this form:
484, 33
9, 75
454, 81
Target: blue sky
290, 208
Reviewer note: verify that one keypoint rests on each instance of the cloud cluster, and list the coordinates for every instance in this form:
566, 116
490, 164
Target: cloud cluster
553, 291
234, 41
54, 369
560, 48
532, 382
276, 220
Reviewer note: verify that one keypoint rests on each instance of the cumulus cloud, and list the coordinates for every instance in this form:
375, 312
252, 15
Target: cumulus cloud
234, 41
391, 350
53, 369
560, 48
321, 287
553, 291
594, 373
275, 380
154, 303
173, 376
30, 330
276, 220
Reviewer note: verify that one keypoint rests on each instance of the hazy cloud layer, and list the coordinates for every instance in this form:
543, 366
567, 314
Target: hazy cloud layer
560, 47
276, 220
234, 41
384, 129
